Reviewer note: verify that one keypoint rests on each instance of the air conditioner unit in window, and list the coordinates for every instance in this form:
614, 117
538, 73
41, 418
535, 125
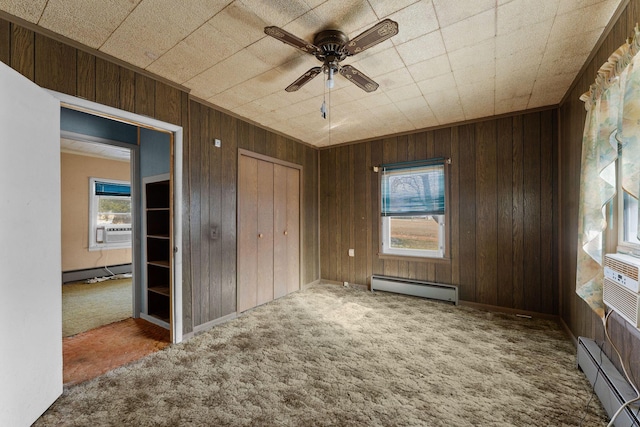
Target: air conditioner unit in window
620, 290
118, 234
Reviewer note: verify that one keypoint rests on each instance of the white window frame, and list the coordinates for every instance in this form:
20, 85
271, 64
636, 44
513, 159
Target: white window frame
94, 245
431, 255
623, 245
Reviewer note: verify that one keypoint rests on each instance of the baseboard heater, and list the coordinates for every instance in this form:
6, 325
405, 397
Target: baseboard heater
416, 288
90, 273
610, 386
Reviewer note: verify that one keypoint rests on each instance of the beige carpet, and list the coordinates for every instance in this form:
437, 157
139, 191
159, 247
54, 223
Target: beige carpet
334, 356
87, 306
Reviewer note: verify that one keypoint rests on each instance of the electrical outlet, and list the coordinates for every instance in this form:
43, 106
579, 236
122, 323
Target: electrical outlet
217, 142
345, 284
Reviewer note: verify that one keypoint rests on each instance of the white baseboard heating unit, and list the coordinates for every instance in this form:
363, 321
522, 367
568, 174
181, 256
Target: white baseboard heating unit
609, 385
416, 288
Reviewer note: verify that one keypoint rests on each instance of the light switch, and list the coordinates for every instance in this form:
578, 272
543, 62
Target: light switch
352, 252
217, 143
213, 232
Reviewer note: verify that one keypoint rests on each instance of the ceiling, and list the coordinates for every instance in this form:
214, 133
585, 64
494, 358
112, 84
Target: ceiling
93, 149
451, 60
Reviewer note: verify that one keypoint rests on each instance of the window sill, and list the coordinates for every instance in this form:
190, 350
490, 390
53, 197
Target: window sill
444, 260
108, 247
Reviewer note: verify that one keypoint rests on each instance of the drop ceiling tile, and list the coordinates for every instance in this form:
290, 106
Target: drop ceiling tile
228, 73
573, 43
90, 23
345, 15
477, 102
405, 92
383, 8
437, 84
515, 85
186, 59
511, 104
381, 63
470, 31
446, 105
28, 10
475, 74
374, 101
533, 38
550, 90
394, 79
449, 12
276, 53
240, 24
156, 26
482, 53
422, 48
228, 100
414, 21
430, 68
519, 14
552, 66
276, 12
572, 5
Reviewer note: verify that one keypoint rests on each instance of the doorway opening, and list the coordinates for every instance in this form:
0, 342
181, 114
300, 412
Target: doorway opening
124, 152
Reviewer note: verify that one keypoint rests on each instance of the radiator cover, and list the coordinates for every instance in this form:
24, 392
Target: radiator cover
418, 288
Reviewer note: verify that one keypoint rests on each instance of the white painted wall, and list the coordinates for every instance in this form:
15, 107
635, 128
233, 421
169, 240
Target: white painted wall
30, 261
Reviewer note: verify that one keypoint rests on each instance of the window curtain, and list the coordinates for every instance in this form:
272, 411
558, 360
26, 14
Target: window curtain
611, 132
413, 189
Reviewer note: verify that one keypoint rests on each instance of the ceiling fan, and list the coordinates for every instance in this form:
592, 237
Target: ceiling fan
331, 47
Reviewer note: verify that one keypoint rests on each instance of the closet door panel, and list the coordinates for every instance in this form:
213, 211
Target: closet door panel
293, 229
280, 259
247, 241
265, 232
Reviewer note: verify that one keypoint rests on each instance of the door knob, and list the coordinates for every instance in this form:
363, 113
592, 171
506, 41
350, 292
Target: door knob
260, 236
286, 233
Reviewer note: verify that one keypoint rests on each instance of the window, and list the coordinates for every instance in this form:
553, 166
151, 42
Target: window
413, 209
109, 214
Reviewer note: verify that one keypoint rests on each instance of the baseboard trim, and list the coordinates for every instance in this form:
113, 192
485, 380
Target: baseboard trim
349, 284
308, 285
90, 273
513, 311
210, 324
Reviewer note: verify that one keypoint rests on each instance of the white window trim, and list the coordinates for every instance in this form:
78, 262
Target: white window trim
93, 211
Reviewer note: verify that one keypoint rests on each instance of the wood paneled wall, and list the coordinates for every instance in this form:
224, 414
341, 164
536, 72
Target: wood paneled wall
577, 314
501, 220
209, 180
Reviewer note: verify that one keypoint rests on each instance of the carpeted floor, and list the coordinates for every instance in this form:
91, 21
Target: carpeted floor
336, 356
87, 306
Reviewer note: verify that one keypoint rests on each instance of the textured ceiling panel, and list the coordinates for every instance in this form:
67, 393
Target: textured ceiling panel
451, 60
90, 23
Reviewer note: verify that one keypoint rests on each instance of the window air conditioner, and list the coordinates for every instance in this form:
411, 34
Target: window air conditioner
620, 290
115, 234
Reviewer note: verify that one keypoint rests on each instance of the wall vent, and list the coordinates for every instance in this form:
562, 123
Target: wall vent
416, 288
120, 234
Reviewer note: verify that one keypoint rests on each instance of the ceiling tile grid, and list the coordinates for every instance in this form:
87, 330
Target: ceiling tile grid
451, 60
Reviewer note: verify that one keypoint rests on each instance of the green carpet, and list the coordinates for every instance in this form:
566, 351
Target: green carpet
87, 306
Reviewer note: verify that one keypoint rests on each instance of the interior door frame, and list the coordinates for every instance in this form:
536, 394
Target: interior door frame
112, 113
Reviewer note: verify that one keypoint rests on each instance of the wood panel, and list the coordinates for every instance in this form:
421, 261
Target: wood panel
227, 229
247, 241
5, 41
265, 232
86, 71
490, 190
55, 65
145, 95
280, 249
23, 51
108, 91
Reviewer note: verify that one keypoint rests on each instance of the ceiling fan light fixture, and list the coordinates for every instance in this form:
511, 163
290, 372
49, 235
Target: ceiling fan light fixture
330, 82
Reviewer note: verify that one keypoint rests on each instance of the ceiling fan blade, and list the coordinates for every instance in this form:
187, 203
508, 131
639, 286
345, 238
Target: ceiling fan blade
291, 40
303, 79
378, 33
358, 78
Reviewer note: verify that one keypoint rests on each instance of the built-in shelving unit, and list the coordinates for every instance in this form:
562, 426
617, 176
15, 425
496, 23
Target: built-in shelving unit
157, 197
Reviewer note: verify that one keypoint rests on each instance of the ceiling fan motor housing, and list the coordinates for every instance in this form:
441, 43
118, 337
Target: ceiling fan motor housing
331, 44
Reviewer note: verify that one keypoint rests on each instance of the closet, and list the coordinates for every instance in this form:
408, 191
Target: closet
268, 229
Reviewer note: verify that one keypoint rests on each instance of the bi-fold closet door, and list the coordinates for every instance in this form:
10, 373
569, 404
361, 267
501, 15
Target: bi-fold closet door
269, 230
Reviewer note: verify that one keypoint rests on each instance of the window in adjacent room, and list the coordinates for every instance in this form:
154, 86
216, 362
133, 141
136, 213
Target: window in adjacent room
109, 214
413, 209
627, 216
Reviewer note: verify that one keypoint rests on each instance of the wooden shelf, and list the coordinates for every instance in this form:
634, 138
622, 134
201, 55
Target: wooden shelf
160, 263
157, 209
161, 290
159, 236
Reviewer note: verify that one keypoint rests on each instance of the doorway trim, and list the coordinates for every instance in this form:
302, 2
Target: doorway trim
144, 121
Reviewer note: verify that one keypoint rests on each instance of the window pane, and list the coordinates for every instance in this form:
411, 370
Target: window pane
114, 210
630, 219
421, 233
413, 191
